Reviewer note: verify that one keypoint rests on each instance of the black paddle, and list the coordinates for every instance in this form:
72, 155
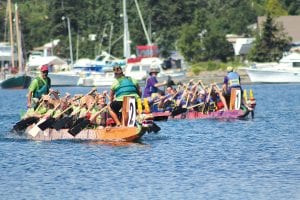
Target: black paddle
155, 128
24, 123
65, 122
50, 121
46, 124
79, 127
84, 123
178, 110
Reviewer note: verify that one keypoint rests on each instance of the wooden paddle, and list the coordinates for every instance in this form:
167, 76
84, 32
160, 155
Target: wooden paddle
178, 109
207, 100
193, 106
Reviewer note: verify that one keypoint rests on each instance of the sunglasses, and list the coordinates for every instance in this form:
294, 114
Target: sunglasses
117, 68
45, 72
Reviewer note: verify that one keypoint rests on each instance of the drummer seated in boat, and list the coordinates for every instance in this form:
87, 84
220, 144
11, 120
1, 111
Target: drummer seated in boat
122, 86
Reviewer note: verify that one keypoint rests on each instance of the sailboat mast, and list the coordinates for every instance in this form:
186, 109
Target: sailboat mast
143, 24
11, 33
126, 39
20, 54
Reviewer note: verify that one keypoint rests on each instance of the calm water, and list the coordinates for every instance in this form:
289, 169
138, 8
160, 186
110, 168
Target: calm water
198, 159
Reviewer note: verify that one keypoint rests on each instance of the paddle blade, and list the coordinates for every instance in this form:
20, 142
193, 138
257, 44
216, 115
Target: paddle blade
155, 128
79, 127
24, 123
65, 122
46, 124
178, 110
36, 129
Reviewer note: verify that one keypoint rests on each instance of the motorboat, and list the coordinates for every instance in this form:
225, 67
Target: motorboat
286, 71
147, 57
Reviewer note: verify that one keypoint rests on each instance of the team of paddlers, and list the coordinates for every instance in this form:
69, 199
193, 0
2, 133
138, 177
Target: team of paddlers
92, 110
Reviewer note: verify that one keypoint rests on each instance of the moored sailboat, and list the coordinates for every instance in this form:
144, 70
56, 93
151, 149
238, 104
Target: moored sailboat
20, 79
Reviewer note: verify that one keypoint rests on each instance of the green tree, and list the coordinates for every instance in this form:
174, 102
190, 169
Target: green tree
274, 8
270, 45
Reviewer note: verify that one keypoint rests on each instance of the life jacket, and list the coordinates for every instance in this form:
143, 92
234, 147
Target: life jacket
126, 87
233, 80
43, 87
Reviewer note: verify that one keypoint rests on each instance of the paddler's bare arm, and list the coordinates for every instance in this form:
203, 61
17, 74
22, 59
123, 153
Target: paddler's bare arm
111, 95
139, 90
29, 95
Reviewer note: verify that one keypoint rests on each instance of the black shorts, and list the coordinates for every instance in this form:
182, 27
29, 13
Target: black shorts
116, 106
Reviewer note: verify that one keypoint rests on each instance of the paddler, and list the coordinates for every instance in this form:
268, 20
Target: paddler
44, 109
122, 86
100, 118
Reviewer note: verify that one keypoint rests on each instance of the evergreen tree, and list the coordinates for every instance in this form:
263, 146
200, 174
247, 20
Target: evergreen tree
270, 45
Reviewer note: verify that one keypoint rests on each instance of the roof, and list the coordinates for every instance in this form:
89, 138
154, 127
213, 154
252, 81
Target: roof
47, 60
289, 23
242, 46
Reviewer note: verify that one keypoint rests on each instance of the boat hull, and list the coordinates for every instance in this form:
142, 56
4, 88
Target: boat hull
230, 114
127, 134
16, 82
273, 76
63, 78
97, 79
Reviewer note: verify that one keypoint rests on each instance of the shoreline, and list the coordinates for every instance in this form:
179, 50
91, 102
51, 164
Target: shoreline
217, 77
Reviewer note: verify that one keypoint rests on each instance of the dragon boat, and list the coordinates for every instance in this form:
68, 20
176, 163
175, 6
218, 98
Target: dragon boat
132, 129
236, 111
127, 134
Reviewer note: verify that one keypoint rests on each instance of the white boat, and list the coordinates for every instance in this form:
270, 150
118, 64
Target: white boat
138, 68
97, 72
286, 71
97, 79
60, 73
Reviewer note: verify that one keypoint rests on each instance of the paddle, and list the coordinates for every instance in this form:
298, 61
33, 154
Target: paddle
67, 121
179, 109
84, 123
196, 105
51, 120
222, 98
205, 107
24, 123
36, 129
155, 128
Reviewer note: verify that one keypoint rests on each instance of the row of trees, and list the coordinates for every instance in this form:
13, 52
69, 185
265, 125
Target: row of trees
196, 28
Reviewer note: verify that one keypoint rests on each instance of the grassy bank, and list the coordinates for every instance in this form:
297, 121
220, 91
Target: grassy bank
196, 68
